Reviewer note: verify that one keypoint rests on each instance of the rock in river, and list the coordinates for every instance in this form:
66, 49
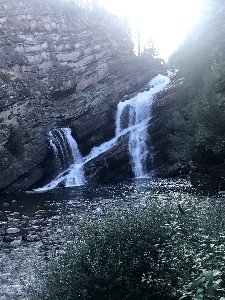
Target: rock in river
12, 230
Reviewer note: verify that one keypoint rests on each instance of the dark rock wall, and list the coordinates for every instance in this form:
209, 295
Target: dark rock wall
110, 165
56, 70
162, 110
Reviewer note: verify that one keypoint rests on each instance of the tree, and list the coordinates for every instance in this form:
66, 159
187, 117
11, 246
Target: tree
200, 104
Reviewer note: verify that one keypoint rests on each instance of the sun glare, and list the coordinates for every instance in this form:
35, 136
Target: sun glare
167, 22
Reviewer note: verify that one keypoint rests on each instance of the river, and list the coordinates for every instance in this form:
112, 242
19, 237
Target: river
32, 224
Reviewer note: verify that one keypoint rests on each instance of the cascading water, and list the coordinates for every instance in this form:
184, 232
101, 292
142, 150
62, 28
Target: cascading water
132, 117
66, 154
139, 114
64, 147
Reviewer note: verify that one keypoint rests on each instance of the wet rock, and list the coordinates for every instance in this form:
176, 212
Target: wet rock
15, 214
221, 193
114, 163
7, 239
99, 211
15, 290
56, 218
16, 243
31, 237
3, 223
105, 201
39, 244
32, 232
12, 230
33, 222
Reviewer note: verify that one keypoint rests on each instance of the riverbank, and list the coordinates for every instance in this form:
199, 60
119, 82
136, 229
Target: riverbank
32, 225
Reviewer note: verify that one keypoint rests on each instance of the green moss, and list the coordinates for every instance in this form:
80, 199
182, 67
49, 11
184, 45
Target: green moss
156, 250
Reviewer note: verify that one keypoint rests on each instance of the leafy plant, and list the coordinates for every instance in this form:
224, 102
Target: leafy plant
207, 284
196, 124
157, 249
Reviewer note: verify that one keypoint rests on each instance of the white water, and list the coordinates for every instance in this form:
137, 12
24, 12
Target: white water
137, 111
139, 114
65, 150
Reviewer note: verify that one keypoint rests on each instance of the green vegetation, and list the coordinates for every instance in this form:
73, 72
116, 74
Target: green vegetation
15, 143
158, 249
197, 124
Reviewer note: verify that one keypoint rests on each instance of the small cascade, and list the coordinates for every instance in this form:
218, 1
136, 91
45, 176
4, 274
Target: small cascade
132, 117
64, 147
137, 113
66, 154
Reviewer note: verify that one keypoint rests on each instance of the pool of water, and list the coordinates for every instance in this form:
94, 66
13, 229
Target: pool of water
33, 224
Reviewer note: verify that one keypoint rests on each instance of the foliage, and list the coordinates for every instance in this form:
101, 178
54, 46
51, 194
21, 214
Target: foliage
158, 249
197, 123
150, 55
15, 143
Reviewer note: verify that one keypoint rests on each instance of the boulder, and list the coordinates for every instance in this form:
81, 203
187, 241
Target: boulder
12, 230
110, 165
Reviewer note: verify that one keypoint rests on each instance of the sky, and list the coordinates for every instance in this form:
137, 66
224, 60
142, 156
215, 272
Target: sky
167, 22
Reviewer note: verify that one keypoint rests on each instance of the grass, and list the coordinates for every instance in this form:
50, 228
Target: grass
159, 249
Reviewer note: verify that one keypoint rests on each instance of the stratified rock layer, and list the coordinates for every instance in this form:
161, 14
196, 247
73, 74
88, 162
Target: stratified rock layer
58, 69
112, 164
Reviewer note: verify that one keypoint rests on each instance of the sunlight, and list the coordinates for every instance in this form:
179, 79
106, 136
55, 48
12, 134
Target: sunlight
167, 22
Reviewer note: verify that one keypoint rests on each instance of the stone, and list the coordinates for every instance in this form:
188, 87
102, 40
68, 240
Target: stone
15, 214
12, 230
114, 163
32, 238
3, 223
56, 218
7, 239
16, 243
99, 211
15, 290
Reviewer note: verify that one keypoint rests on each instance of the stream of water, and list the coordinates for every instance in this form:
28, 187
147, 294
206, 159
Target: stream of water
32, 225
132, 117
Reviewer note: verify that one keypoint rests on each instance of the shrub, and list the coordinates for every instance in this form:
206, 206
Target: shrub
159, 249
15, 143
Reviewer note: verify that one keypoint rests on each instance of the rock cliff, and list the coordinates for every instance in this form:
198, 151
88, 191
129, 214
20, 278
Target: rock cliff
113, 164
58, 67
162, 110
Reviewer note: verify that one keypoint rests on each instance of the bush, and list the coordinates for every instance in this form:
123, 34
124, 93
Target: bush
159, 249
199, 130
15, 143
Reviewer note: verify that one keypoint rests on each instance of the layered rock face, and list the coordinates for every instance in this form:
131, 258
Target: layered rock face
58, 68
161, 112
110, 165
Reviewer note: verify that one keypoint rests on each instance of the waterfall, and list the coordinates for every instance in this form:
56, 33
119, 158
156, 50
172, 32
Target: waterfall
132, 117
68, 159
64, 147
137, 112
